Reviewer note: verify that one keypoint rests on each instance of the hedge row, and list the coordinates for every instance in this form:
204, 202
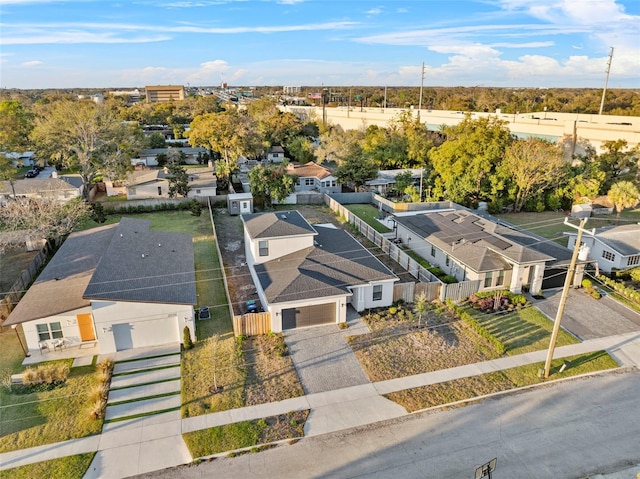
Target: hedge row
131, 209
620, 288
498, 345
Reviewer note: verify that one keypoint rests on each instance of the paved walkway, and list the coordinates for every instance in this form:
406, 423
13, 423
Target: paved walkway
148, 440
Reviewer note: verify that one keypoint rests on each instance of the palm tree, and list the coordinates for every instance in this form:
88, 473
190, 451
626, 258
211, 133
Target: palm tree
623, 194
421, 305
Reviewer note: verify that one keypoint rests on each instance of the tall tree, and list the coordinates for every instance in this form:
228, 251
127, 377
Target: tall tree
271, 183
15, 126
357, 168
533, 166
466, 162
178, 180
86, 137
231, 134
623, 194
301, 149
618, 162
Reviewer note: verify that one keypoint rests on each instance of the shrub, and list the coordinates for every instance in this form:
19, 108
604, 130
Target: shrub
97, 213
498, 345
195, 207
635, 274
586, 283
448, 279
393, 310
186, 337
344, 325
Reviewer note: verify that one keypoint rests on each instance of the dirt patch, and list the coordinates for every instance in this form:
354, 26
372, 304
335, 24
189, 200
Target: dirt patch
397, 347
271, 375
12, 264
284, 426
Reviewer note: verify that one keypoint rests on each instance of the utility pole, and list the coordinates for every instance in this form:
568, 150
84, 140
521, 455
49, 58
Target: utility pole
421, 87
384, 105
565, 292
606, 82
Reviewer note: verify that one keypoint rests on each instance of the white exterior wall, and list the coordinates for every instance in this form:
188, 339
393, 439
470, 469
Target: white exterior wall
203, 191
148, 190
278, 247
363, 296
68, 322
276, 309
151, 324
595, 249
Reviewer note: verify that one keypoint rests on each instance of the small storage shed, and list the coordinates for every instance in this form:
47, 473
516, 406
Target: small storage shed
240, 203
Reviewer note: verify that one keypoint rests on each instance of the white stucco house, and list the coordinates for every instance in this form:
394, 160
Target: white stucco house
275, 154
148, 183
470, 247
121, 286
307, 275
611, 247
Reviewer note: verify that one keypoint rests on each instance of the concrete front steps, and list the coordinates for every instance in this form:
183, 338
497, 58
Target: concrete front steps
143, 387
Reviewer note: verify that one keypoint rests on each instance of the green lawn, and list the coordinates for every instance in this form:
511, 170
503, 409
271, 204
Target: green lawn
548, 224
73, 467
368, 214
521, 331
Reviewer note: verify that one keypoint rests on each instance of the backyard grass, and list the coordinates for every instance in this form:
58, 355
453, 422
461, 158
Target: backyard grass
246, 434
72, 467
548, 224
368, 214
467, 388
521, 331
12, 263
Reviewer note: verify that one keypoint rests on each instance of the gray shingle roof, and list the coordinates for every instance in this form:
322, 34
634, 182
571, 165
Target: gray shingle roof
101, 264
60, 286
480, 244
146, 266
36, 185
275, 225
624, 239
327, 269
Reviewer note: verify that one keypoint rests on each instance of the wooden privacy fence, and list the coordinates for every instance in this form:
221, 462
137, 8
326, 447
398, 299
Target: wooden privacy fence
252, 324
23, 282
408, 292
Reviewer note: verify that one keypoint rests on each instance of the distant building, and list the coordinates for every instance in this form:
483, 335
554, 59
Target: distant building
291, 90
164, 93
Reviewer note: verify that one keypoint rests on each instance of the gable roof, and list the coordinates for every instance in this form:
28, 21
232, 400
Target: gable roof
101, 264
336, 262
60, 286
276, 224
307, 170
146, 266
276, 149
479, 243
139, 177
36, 185
624, 239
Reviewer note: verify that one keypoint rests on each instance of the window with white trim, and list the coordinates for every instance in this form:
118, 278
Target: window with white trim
309, 181
49, 331
263, 248
500, 280
608, 255
488, 279
377, 292
633, 260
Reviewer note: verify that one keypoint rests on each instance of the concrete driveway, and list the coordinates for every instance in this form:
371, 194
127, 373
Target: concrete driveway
589, 318
323, 358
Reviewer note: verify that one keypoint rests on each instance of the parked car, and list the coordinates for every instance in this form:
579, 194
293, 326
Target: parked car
252, 306
31, 174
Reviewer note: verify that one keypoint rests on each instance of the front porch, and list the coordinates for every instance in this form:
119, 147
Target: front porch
85, 349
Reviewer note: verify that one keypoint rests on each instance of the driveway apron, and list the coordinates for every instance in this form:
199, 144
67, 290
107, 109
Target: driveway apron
589, 318
142, 430
323, 359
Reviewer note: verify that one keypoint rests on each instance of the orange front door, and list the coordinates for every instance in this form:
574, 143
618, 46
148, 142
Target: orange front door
85, 325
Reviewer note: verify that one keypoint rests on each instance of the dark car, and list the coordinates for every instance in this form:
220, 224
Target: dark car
252, 306
31, 174
203, 312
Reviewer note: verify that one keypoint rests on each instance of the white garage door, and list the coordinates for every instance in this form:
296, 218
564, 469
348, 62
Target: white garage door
145, 333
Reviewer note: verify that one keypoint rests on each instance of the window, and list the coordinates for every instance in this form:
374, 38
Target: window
488, 279
377, 292
159, 190
263, 246
198, 191
633, 260
608, 255
446, 261
433, 251
49, 331
308, 182
500, 280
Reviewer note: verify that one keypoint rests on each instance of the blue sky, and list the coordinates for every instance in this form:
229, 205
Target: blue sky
525, 43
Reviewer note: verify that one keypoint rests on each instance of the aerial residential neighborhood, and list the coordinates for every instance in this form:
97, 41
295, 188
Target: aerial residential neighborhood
281, 239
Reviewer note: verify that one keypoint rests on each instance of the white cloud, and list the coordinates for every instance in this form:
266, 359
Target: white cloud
32, 63
374, 11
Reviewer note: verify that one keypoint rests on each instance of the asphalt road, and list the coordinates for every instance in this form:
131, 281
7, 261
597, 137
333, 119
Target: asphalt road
572, 429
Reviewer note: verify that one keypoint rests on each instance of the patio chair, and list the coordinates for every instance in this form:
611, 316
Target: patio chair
43, 345
58, 344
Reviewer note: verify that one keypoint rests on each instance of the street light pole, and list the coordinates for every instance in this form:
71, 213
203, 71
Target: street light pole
565, 292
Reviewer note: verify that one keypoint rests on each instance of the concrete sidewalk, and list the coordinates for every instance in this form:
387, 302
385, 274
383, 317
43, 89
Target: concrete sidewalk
331, 411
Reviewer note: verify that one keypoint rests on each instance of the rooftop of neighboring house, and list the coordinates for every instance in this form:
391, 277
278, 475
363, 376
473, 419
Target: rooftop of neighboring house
276, 225
474, 241
202, 178
139, 177
624, 239
29, 186
335, 262
276, 149
107, 263
310, 169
